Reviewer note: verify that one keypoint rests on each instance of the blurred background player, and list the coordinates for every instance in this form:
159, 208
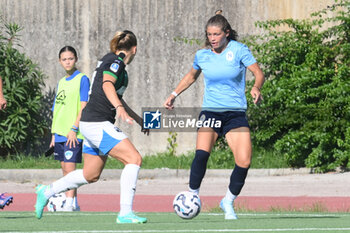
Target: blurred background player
223, 62
71, 97
4, 199
101, 136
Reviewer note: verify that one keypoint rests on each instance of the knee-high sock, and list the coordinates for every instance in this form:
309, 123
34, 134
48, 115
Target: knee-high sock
198, 168
72, 180
128, 180
237, 179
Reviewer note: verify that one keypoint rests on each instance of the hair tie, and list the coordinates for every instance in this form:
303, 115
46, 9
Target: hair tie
218, 12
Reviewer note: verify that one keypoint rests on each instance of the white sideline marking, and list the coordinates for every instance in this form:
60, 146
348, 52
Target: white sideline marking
200, 230
210, 214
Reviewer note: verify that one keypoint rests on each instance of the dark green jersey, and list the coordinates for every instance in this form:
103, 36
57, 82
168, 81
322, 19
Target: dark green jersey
99, 108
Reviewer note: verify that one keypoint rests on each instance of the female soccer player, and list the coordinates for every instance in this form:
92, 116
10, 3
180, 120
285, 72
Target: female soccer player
72, 96
101, 136
223, 62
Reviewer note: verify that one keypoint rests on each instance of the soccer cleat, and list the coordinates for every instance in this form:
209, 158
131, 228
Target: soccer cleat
5, 200
130, 218
227, 207
76, 208
41, 200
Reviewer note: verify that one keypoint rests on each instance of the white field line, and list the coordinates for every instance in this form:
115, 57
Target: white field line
199, 230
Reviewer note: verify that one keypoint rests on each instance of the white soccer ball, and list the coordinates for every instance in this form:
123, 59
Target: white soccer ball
187, 205
56, 202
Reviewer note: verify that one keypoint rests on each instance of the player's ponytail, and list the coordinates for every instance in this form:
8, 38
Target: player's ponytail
220, 21
123, 40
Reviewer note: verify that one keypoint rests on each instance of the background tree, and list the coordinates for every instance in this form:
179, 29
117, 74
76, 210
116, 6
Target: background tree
23, 123
305, 114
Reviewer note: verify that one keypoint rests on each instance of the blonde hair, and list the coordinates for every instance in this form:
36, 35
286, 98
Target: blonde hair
123, 40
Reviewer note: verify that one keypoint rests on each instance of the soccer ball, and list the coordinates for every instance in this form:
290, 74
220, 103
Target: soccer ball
56, 202
187, 205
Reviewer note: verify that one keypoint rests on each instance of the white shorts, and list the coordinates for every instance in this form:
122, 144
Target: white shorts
100, 137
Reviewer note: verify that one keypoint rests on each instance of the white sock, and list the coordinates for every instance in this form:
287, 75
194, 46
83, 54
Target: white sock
229, 196
128, 180
72, 180
196, 191
69, 201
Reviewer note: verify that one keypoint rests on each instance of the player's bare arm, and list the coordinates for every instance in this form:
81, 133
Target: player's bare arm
259, 81
185, 83
135, 116
111, 94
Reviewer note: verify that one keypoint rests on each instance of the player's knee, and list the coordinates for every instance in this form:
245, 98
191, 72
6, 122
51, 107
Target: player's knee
92, 178
136, 158
244, 163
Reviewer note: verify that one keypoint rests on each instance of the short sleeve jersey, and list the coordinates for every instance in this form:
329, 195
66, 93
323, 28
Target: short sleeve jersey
99, 108
224, 76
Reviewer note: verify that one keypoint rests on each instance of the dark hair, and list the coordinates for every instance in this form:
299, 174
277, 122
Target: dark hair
220, 21
70, 49
123, 40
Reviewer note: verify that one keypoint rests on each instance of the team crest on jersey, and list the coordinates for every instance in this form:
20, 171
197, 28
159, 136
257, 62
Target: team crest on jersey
114, 67
229, 56
68, 154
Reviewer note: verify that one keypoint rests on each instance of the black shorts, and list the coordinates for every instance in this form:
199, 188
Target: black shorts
63, 153
229, 120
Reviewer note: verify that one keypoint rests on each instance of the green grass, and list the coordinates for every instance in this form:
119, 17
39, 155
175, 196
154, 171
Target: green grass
170, 223
219, 159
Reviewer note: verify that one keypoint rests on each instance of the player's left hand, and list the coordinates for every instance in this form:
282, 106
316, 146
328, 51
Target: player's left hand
121, 113
3, 103
255, 92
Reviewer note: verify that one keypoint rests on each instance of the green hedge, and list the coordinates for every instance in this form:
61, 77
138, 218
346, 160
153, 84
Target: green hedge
305, 114
22, 124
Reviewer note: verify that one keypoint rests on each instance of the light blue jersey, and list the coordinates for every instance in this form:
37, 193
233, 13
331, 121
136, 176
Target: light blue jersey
224, 76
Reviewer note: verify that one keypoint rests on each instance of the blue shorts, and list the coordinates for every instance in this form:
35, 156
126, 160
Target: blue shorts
229, 120
63, 153
100, 137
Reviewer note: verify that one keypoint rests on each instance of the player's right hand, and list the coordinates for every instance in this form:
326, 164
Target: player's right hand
169, 103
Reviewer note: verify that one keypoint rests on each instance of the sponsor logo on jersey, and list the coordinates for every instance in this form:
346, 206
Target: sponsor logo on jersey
114, 67
60, 98
117, 129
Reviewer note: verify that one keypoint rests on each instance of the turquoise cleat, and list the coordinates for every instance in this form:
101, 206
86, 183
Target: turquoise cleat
130, 218
227, 207
41, 200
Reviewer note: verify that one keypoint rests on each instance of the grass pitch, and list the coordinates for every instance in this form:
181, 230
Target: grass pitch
93, 222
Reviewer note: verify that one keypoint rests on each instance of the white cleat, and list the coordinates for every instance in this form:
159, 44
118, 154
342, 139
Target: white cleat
227, 207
